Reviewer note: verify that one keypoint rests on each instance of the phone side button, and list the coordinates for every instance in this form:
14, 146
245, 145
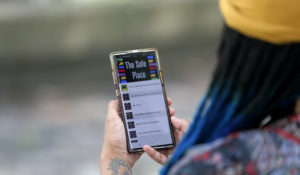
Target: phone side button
161, 77
117, 93
114, 78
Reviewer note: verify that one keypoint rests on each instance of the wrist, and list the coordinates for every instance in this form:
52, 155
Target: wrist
111, 163
107, 155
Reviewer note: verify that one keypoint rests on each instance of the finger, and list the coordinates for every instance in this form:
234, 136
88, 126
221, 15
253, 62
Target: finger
155, 155
172, 111
180, 124
169, 100
176, 123
185, 125
178, 135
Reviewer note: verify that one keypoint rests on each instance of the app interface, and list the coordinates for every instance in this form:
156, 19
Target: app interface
143, 100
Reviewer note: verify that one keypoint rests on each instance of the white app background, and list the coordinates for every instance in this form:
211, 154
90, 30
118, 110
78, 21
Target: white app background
150, 117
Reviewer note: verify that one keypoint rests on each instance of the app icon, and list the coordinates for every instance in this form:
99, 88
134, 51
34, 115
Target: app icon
127, 106
124, 87
126, 97
132, 134
131, 125
129, 115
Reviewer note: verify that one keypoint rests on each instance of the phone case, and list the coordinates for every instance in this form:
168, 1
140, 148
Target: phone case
116, 85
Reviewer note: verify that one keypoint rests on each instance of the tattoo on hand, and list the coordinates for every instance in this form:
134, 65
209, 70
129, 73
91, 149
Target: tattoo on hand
118, 166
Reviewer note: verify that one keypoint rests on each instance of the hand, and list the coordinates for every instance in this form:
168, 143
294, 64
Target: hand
162, 156
114, 156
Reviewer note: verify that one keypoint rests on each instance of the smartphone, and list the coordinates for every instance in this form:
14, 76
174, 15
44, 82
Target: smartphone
141, 93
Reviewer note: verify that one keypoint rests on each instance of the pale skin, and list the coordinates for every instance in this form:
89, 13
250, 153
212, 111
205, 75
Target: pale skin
114, 159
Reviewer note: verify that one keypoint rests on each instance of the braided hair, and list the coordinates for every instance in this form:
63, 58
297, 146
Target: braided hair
252, 80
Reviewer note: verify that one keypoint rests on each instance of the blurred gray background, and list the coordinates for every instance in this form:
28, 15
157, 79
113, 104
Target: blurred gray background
55, 74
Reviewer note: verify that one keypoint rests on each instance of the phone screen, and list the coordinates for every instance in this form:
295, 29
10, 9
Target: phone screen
145, 111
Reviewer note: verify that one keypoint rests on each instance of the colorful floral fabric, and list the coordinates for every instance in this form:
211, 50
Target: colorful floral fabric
274, 150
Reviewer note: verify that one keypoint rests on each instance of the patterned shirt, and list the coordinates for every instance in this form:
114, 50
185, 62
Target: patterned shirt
274, 150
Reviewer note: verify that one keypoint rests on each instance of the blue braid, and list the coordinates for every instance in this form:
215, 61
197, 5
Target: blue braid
192, 134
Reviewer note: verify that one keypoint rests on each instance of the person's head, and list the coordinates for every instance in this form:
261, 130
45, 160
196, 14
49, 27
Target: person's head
253, 80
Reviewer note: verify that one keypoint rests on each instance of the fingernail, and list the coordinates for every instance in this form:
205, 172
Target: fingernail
175, 120
151, 150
